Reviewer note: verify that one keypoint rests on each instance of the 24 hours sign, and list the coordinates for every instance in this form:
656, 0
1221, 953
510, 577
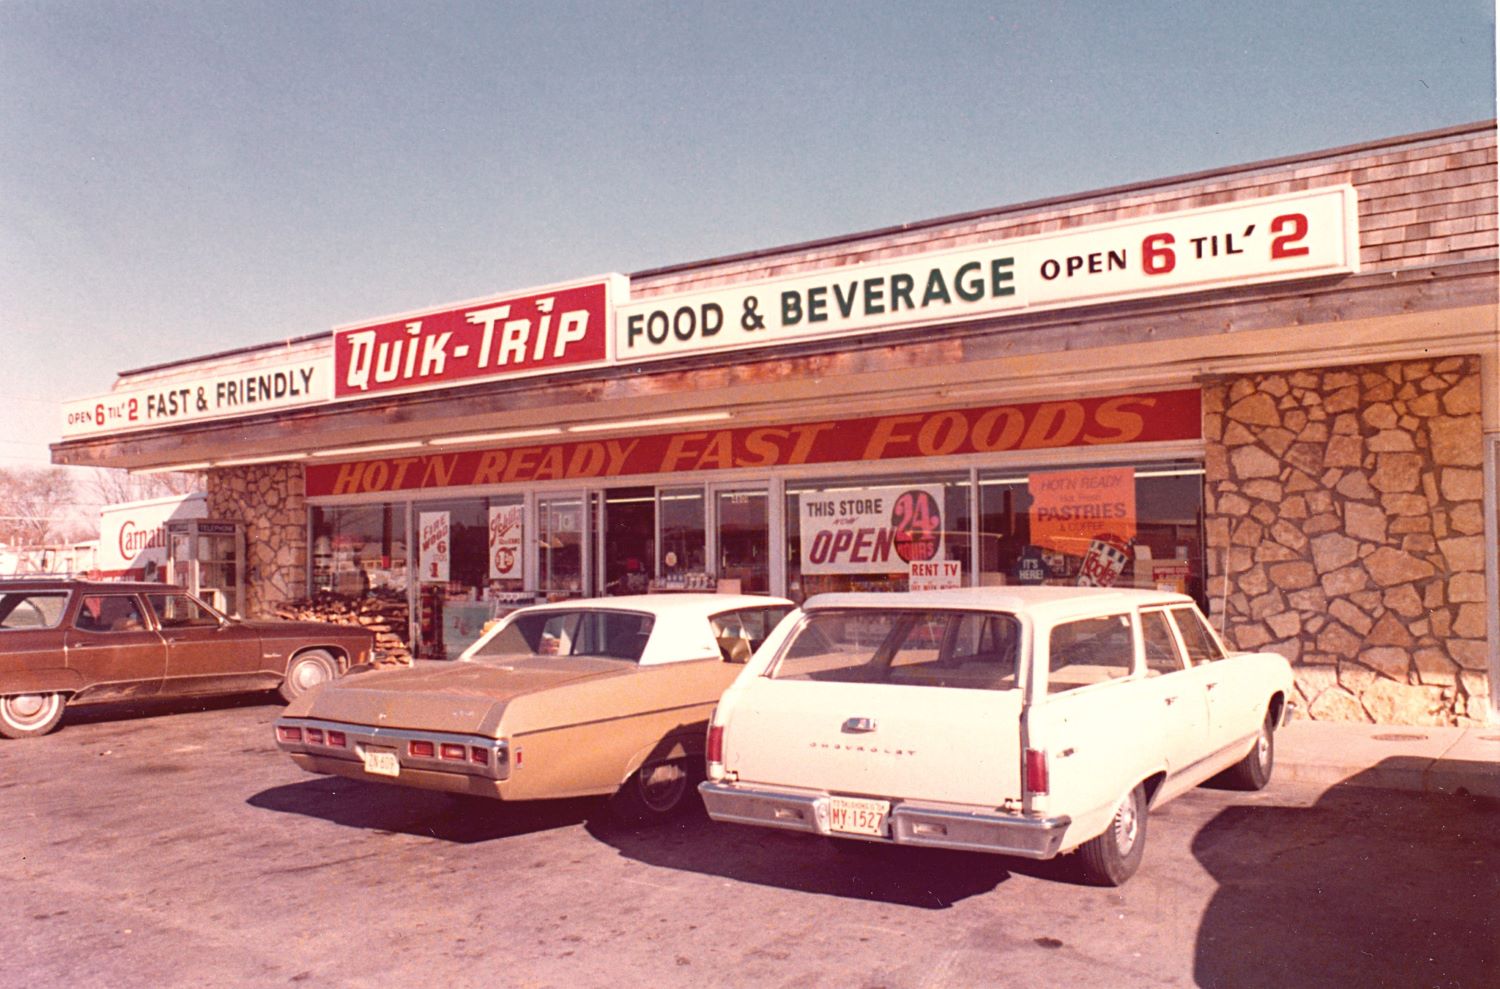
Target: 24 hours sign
873, 530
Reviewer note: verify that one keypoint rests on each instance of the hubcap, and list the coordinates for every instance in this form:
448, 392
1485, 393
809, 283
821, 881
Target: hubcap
1127, 826
1263, 748
25, 710
661, 786
309, 675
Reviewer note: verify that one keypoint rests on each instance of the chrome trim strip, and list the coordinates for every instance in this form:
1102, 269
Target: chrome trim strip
359, 736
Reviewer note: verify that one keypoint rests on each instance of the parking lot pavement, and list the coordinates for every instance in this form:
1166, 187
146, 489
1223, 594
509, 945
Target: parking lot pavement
174, 846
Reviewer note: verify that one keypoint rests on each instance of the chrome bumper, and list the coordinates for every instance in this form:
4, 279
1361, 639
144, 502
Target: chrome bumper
359, 738
910, 823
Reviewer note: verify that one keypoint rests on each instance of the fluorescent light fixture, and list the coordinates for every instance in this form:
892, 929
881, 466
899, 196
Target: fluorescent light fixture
599, 427
172, 468
368, 448
509, 434
269, 458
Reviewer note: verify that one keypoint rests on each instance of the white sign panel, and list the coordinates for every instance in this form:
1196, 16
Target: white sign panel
435, 546
935, 575
260, 389
1297, 235
133, 535
874, 530
505, 542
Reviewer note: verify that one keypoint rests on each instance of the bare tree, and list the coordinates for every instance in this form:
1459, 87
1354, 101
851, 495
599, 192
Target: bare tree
35, 505
111, 487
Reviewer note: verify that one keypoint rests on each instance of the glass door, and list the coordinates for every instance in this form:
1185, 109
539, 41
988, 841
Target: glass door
742, 537
561, 545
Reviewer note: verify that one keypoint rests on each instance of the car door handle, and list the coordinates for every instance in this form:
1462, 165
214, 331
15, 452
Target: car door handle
1170, 701
1210, 685
859, 725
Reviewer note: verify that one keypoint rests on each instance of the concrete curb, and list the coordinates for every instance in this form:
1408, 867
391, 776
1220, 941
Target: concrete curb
1417, 759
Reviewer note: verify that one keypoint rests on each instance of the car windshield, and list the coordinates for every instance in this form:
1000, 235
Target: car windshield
922, 648
582, 632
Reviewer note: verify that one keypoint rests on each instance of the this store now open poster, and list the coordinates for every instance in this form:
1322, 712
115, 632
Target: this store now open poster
435, 548
1070, 509
505, 542
871, 530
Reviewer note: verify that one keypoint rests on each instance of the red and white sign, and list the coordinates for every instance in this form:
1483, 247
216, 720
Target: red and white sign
1296, 235
504, 336
133, 535
505, 542
435, 546
935, 575
871, 530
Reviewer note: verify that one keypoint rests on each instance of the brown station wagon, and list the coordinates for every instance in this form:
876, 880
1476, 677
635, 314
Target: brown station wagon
579, 698
75, 642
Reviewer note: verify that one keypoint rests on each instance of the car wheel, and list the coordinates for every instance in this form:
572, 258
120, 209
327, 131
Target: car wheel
1254, 771
308, 670
1113, 857
28, 715
654, 793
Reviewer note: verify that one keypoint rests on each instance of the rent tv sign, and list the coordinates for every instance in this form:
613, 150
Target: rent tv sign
1297, 235
559, 328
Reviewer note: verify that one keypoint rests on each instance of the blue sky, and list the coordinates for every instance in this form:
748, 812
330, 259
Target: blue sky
182, 178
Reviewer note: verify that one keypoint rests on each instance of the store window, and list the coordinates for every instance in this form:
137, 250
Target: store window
1108, 525
470, 567
560, 522
744, 539
359, 550
890, 533
684, 539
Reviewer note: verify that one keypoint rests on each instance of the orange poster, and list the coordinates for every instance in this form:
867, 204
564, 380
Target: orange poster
1072, 508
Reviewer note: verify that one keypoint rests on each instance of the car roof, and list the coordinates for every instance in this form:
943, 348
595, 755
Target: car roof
1049, 603
95, 586
673, 603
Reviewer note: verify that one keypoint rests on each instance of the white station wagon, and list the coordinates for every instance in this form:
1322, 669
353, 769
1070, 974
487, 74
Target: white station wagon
1027, 721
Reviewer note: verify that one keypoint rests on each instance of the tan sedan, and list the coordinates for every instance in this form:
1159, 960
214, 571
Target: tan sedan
77, 642
581, 698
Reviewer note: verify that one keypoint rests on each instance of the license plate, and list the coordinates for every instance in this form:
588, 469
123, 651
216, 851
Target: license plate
854, 816
381, 762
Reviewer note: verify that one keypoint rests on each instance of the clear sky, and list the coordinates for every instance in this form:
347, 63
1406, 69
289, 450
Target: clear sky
185, 177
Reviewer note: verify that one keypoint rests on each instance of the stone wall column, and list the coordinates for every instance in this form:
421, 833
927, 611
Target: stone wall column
270, 501
1344, 515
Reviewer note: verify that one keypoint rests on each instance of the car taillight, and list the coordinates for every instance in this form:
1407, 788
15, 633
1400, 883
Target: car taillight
288, 733
451, 750
338, 739
1036, 771
314, 736
715, 746
424, 750
480, 757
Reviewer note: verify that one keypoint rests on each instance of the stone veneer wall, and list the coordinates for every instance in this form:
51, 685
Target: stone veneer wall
1345, 506
270, 499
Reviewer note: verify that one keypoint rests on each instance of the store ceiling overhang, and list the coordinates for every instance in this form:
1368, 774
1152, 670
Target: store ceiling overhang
1351, 318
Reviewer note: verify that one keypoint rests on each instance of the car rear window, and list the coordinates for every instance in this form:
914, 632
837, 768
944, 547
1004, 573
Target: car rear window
32, 609
584, 632
919, 648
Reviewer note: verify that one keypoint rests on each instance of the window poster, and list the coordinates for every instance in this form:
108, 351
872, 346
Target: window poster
1089, 514
871, 530
505, 542
435, 551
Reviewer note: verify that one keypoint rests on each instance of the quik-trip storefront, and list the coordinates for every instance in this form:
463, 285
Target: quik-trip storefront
1271, 386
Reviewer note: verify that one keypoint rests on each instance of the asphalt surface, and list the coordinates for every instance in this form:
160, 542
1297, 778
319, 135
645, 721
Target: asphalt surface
172, 846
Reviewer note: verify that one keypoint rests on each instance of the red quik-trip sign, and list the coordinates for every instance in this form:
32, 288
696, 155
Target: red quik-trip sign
1140, 418
498, 337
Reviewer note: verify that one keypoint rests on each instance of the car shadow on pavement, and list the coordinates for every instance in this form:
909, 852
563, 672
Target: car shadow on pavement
405, 810
928, 878
138, 708
1304, 900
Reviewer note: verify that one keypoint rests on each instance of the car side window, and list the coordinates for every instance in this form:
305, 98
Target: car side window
1162, 652
109, 613
1202, 647
1089, 651
32, 609
180, 611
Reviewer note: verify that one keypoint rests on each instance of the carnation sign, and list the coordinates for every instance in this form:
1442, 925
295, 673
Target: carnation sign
874, 530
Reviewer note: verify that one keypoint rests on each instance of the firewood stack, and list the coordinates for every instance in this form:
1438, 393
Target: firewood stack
384, 614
